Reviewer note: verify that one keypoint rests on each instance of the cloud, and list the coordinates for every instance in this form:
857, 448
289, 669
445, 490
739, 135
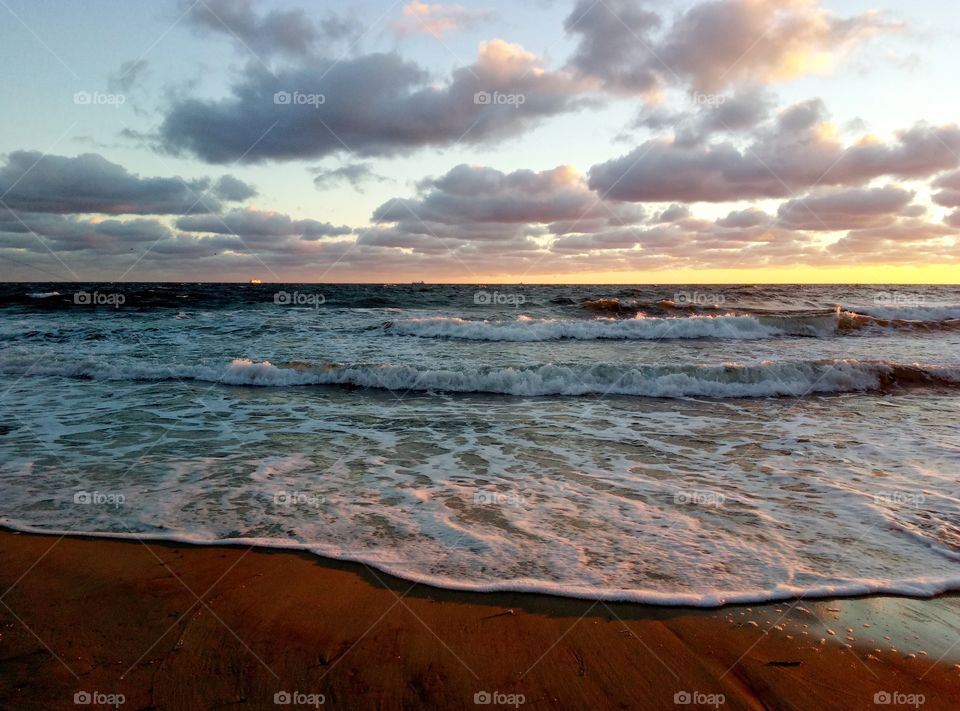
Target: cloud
376, 104
278, 32
949, 195
705, 117
906, 241
233, 189
63, 233
845, 209
35, 182
674, 213
797, 151
260, 223
751, 217
614, 43
470, 194
713, 44
129, 74
354, 173
438, 20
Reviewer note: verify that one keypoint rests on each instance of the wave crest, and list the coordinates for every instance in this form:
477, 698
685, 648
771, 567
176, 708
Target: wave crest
767, 379
726, 326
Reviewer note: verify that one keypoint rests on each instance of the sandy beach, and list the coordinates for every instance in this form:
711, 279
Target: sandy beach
166, 626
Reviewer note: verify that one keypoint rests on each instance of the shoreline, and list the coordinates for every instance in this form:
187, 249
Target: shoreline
174, 625
376, 571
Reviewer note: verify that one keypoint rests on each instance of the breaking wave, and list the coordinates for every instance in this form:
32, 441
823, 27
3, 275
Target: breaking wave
638, 328
767, 379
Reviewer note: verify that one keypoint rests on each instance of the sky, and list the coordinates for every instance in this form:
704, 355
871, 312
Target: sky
575, 141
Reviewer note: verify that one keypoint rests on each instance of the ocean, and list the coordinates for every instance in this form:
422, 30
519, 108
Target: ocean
687, 445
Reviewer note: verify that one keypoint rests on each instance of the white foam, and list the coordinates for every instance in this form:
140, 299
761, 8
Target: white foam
767, 379
921, 587
637, 328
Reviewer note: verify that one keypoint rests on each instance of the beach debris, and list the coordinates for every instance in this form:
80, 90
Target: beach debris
499, 614
831, 632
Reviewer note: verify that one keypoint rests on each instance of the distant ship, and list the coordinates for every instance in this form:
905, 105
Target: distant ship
255, 281
417, 283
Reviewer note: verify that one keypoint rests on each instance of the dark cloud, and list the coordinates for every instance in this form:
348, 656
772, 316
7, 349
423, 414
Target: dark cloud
286, 32
705, 117
35, 182
129, 74
477, 194
845, 209
949, 193
377, 104
614, 43
751, 217
672, 214
795, 152
258, 223
630, 46
233, 189
907, 241
356, 174
62, 233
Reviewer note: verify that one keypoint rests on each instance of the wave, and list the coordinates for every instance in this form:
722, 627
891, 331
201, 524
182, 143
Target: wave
632, 307
767, 379
727, 326
912, 313
918, 587
852, 321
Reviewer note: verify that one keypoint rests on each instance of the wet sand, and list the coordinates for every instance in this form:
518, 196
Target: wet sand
171, 626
